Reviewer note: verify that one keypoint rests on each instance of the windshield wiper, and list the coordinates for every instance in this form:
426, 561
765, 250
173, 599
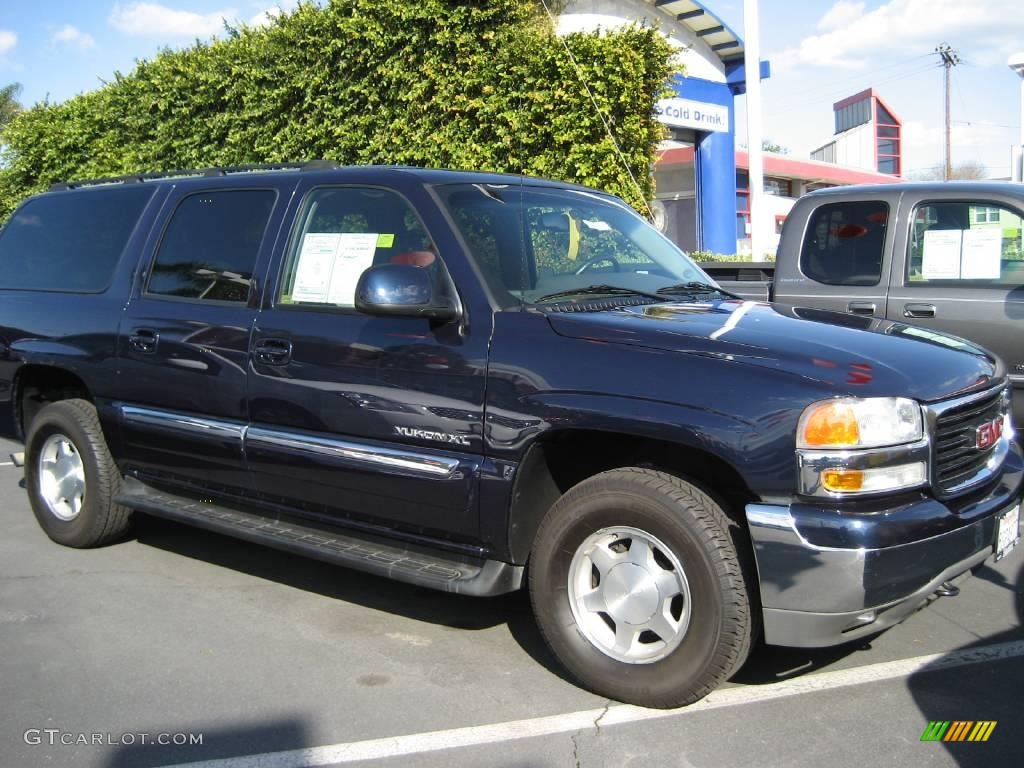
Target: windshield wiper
599, 290
695, 287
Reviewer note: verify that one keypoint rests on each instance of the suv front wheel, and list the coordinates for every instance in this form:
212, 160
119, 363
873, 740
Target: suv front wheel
638, 589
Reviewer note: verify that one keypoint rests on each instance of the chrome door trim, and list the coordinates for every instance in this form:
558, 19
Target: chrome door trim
359, 455
180, 422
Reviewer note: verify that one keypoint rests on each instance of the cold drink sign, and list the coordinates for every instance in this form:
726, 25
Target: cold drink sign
684, 113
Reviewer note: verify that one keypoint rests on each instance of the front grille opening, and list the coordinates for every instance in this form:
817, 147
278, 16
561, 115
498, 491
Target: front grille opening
957, 457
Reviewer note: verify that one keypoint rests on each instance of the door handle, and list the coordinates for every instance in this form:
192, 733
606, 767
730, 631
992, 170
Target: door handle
273, 351
861, 307
919, 310
144, 340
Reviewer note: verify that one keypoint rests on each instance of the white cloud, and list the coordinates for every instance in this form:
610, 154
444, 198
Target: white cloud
849, 39
841, 14
924, 145
7, 41
267, 15
71, 35
155, 20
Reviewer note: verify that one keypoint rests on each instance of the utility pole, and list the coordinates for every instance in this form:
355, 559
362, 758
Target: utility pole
755, 169
950, 59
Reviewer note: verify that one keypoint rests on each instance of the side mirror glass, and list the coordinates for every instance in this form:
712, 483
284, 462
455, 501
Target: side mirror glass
402, 290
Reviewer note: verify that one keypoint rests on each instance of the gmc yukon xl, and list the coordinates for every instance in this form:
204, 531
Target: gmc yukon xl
477, 383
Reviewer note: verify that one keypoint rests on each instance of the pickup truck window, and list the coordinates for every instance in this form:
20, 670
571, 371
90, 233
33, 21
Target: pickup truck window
973, 243
844, 243
344, 230
209, 248
531, 241
70, 241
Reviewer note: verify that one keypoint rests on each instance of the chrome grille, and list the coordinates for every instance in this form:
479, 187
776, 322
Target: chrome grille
958, 464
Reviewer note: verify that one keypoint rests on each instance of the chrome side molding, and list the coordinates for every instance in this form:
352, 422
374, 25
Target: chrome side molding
355, 454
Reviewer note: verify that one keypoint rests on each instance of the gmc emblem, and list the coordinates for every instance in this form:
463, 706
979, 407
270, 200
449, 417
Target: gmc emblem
988, 434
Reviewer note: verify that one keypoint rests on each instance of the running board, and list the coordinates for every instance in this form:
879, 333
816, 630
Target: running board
370, 554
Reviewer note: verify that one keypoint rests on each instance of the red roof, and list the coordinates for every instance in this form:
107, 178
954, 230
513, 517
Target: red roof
788, 168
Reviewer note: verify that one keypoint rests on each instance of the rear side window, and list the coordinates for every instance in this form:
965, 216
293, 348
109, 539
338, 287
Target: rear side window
844, 243
209, 249
975, 244
70, 241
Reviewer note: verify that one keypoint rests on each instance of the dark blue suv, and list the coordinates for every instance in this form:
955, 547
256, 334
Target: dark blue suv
469, 382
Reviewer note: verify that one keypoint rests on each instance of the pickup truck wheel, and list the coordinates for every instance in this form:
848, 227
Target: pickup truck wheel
638, 589
71, 477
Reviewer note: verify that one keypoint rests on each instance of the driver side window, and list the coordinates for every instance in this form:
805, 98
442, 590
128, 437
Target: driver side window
343, 231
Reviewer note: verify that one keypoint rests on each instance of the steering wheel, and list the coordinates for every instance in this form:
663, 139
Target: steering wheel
597, 260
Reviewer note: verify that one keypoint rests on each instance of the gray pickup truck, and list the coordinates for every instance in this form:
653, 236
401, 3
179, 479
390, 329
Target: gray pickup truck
942, 256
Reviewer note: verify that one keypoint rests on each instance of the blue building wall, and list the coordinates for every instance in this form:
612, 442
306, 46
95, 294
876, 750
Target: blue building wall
714, 167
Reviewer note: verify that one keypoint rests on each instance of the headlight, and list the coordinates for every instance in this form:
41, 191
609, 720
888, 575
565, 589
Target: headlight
852, 422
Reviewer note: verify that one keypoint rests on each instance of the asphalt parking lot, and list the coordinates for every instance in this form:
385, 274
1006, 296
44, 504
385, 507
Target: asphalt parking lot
279, 661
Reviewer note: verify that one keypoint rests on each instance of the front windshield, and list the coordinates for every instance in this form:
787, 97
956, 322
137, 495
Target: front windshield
531, 242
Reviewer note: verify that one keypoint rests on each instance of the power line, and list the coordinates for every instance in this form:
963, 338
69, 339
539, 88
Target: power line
817, 94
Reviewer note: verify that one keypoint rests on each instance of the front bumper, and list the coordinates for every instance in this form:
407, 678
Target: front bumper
828, 576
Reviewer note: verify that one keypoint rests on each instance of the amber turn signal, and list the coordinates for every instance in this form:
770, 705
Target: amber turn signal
831, 423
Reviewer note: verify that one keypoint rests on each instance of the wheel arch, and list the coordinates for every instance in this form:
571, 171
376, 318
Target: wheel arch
559, 459
35, 385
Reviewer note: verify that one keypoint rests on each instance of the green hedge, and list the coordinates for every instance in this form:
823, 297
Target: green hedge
478, 85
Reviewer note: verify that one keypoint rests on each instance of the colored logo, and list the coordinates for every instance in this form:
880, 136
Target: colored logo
988, 434
958, 730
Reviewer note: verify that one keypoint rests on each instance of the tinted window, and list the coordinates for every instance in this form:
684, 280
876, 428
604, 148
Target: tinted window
209, 249
530, 242
969, 243
70, 241
844, 242
345, 230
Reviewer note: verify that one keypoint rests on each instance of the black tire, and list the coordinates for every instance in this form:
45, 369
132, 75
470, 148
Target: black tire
695, 528
100, 520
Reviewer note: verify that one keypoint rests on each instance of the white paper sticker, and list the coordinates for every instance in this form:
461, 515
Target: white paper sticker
330, 265
316, 262
600, 226
982, 252
355, 255
941, 260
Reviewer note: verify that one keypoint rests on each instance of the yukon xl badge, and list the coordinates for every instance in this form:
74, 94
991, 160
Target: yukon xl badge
426, 434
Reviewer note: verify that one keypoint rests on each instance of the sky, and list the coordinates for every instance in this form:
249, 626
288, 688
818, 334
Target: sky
820, 52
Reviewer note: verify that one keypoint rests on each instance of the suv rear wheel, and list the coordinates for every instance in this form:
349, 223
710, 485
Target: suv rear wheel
638, 589
71, 477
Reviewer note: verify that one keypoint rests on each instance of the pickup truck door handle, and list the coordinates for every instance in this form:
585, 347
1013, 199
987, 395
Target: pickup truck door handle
919, 310
862, 307
273, 351
144, 340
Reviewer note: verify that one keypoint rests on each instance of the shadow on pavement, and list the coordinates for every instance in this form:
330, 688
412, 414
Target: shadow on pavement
984, 691
221, 742
351, 586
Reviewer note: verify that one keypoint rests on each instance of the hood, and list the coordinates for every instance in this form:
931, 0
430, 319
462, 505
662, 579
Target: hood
846, 354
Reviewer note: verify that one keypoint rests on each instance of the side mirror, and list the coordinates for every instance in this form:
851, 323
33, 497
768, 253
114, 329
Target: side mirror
402, 290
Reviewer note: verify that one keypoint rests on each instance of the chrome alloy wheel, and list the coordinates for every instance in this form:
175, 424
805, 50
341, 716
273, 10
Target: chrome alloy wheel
61, 477
629, 595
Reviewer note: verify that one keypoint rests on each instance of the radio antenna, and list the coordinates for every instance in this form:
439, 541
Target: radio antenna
597, 108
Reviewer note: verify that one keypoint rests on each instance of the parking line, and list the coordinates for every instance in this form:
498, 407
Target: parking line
435, 741
6, 463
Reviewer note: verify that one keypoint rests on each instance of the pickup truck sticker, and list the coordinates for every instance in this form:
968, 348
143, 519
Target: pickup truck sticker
941, 259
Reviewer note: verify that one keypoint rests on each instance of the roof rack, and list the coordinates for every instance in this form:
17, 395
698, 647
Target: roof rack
309, 165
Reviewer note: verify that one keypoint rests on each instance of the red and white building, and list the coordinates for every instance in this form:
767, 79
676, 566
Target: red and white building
866, 149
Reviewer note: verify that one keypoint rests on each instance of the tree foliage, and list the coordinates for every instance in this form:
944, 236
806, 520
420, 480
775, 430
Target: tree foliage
970, 170
9, 106
473, 85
